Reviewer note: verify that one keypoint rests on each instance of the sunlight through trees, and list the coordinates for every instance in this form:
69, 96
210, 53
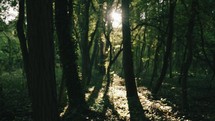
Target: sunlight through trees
77, 60
116, 17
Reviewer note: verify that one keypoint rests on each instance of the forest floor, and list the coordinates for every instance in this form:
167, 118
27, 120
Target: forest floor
166, 107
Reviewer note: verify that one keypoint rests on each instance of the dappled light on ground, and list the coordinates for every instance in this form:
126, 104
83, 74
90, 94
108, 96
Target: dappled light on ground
154, 109
202, 101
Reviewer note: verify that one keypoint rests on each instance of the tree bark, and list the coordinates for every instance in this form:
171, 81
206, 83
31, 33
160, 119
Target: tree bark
135, 107
68, 56
42, 84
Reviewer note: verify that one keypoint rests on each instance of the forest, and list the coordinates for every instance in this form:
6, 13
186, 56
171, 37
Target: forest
107, 60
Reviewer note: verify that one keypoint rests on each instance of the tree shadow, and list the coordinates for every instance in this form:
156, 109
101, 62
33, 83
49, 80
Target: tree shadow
115, 115
95, 93
109, 105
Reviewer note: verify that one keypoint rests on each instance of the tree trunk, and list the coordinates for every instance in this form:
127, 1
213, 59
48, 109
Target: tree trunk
135, 107
68, 56
156, 58
140, 64
188, 60
101, 66
84, 43
170, 67
22, 38
101, 58
41, 60
167, 53
96, 37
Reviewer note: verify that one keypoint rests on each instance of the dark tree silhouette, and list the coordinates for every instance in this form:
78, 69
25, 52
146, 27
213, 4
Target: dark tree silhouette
22, 38
68, 56
135, 107
39, 58
189, 54
84, 43
168, 49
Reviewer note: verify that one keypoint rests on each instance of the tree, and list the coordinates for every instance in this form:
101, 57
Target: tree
68, 56
135, 108
167, 54
38, 56
188, 53
22, 38
84, 43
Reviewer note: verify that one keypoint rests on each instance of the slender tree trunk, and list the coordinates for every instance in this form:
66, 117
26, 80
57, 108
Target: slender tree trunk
135, 107
170, 66
22, 38
102, 68
96, 37
155, 68
84, 44
140, 64
188, 60
102, 57
158, 47
167, 53
68, 56
107, 32
41, 60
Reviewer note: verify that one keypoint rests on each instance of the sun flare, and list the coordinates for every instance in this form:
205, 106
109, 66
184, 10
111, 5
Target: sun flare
116, 18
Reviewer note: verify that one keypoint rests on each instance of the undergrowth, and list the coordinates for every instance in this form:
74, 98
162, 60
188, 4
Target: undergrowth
15, 104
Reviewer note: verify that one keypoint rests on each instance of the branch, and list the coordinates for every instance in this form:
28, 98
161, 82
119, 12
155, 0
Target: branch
116, 56
147, 24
